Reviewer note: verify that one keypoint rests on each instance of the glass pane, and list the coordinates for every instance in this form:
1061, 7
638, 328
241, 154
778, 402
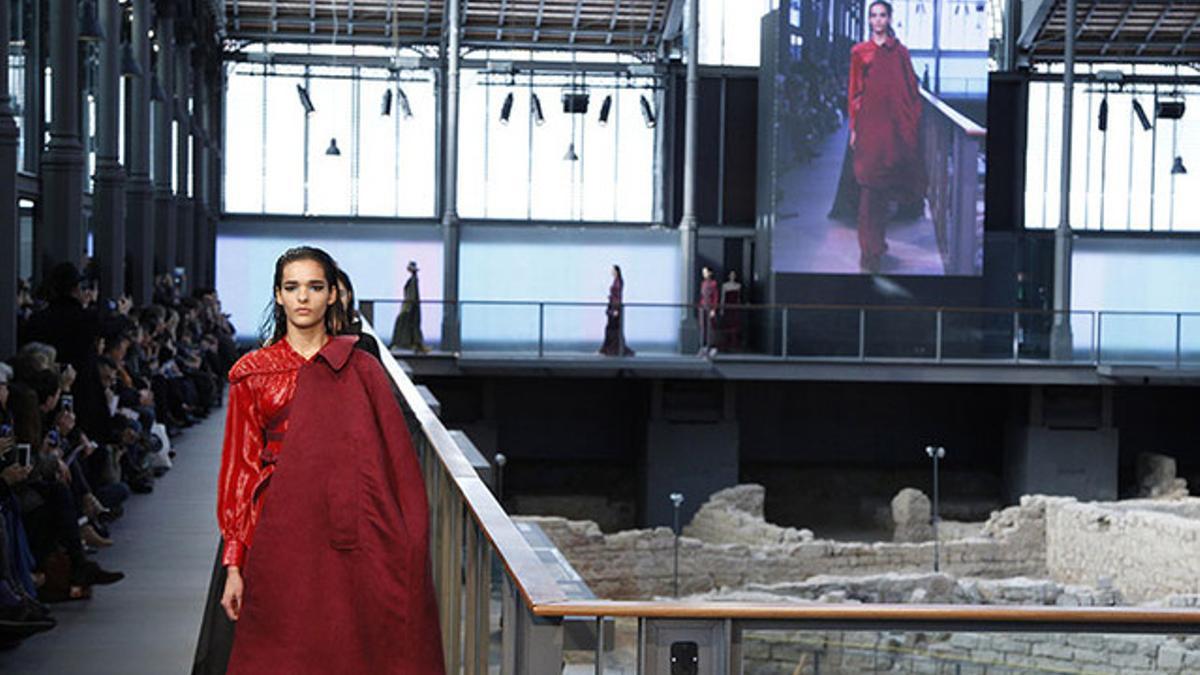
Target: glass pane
377, 156
285, 146
635, 157
243, 143
416, 152
508, 155
473, 138
329, 175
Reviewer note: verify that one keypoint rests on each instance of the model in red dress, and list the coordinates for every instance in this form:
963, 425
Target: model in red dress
885, 118
710, 300
321, 502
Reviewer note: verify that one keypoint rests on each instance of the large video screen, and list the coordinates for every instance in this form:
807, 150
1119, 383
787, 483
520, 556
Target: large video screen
877, 136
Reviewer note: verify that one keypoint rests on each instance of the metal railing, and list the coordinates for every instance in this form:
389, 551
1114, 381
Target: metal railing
953, 160
481, 560
910, 334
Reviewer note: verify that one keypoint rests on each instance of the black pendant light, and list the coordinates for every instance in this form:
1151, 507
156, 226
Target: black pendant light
1178, 169
333, 150
129, 64
90, 29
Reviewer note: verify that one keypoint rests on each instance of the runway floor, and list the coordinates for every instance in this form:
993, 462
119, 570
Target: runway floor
165, 544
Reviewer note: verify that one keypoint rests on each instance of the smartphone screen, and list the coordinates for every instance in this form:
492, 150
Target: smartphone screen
24, 454
68, 402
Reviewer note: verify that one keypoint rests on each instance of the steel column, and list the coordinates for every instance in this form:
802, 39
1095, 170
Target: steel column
10, 230
451, 229
140, 230
60, 235
1060, 335
164, 113
689, 334
108, 208
181, 97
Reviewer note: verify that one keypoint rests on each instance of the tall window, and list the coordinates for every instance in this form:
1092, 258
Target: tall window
1126, 177
384, 164
538, 161
730, 31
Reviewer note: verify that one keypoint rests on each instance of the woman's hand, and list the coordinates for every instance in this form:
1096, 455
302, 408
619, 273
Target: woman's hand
231, 600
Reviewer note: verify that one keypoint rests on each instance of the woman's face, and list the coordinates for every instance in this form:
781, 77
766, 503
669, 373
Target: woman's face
304, 294
879, 19
614, 273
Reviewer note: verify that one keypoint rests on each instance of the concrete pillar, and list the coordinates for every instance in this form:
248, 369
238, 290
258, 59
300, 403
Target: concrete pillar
10, 231
60, 236
216, 95
689, 334
691, 448
184, 206
451, 229
166, 240
139, 191
108, 207
660, 144
1061, 341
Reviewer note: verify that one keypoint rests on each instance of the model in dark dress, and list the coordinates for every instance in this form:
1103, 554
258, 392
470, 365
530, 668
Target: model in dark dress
406, 333
614, 329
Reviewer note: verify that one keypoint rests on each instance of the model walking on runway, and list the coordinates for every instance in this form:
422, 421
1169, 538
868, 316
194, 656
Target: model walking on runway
320, 503
885, 120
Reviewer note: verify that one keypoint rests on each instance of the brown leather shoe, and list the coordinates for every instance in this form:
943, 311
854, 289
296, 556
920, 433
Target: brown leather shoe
92, 538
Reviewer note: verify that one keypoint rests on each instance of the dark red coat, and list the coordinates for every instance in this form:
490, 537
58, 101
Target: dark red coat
337, 579
885, 114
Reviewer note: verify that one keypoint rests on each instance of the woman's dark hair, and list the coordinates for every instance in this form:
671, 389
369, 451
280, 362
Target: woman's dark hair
620, 278
344, 279
275, 324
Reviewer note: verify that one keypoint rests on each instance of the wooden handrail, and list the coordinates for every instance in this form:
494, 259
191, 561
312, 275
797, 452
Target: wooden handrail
956, 118
866, 613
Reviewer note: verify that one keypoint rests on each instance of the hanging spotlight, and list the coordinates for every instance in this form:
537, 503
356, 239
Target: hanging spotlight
535, 109
571, 156
405, 108
333, 150
90, 29
1170, 110
385, 108
648, 112
605, 108
1141, 115
129, 64
1178, 169
305, 100
506, 108
1104, 114
156, 91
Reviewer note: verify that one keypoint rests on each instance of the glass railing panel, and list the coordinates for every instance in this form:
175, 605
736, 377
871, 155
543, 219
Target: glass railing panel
1137, 338
397, 332
978, 335
823, 332
500, 327
900, 334
1189, 340
653, 330
836, 652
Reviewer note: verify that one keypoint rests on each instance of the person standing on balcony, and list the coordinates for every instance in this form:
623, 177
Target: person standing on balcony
406, 334
885, 120
337, 567
710, 300
614, 329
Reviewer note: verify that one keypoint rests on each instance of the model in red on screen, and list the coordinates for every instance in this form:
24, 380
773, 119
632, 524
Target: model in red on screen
885, 120
614, 327
320, 503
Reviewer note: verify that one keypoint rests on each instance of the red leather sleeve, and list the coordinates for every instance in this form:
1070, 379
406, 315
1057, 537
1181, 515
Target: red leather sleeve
239, 470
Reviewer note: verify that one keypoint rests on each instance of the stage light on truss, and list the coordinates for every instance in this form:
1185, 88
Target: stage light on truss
535, 109
305, 100
1141, 115
605, 109
506, 108
648, 112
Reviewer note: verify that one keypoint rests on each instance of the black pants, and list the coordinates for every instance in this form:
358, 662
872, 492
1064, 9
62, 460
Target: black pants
216, 630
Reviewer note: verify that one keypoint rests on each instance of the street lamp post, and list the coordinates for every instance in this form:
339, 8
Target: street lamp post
935, 453
676, 502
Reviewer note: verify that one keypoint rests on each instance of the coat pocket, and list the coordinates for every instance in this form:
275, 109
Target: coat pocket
342, 496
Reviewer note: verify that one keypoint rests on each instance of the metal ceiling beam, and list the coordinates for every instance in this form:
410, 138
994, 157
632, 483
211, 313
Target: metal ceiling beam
1120, 25
500, 19
1157, 24
425, 30
575, 21
1186, 36
612, 24
538, 23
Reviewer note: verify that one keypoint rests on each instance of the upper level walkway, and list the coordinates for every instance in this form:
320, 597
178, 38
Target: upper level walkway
808, 342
